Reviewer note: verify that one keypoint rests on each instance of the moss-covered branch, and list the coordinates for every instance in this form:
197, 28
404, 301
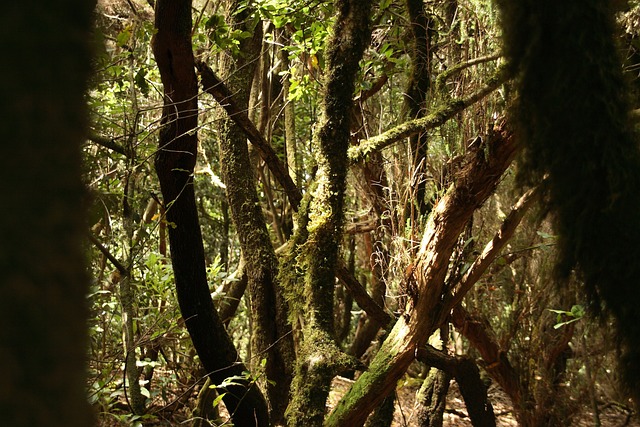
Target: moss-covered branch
458, 68
431, 121
109, 143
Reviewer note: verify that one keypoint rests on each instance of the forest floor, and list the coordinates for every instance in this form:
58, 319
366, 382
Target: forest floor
405, 415
456, 413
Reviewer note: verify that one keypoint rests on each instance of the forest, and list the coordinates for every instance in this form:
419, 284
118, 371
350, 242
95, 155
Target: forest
310, 213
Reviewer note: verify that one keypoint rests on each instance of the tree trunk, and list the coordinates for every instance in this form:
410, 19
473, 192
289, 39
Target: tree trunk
271, 338
319, 358
432, 398
417, 92
175, 161
383, 415
43, 282
573, 119
472, 388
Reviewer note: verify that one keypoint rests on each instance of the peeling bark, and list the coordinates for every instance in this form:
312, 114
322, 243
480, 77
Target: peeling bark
425, 312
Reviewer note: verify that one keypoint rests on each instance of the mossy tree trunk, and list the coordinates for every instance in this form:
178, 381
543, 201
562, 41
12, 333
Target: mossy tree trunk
271, 338
431, 398
319, 357
43, 282
174, 163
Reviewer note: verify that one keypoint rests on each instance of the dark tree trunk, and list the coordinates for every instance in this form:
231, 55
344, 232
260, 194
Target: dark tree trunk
573, 121
383, 415
43, 282
472, 388
174, 164
417, 92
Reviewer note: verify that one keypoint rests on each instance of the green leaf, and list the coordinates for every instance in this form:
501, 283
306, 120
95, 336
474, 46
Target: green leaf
123, 38
218, 399
141, 81
545, 235
145, 392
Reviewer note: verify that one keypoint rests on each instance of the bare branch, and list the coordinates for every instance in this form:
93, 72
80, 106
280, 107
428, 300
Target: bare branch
216, 88
493, 248
124, 271
362, 298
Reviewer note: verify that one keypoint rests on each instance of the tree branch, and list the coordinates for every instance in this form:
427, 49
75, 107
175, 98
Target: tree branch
442, 77
467, 375
216, 88
433, 120
497, 363
493, 248
109, 143
475, 183
124, 271
362, 297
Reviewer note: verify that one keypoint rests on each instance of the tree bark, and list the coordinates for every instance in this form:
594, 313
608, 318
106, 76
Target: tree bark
417, 92
432, 398
467, 375
498, 365
271, 338
43, 282
174, 163
426, 280
319, 358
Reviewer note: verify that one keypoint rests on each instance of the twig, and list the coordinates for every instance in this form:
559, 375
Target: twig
117, 264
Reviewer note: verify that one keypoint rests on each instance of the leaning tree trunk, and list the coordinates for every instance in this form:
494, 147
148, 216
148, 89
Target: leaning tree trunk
425, 310
43, 281
174, 163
